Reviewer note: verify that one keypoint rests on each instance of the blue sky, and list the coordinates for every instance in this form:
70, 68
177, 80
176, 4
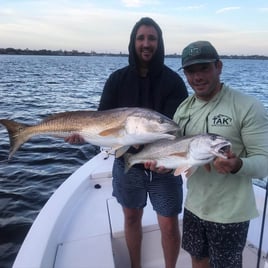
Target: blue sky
234, 27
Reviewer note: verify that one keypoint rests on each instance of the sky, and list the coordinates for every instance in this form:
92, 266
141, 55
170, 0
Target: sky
234, 27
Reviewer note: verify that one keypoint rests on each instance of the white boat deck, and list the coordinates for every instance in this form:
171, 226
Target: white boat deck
87, 231
69, 252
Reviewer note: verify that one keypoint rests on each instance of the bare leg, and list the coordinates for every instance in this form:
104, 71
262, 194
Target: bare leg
196, 263
170, 235
133, 233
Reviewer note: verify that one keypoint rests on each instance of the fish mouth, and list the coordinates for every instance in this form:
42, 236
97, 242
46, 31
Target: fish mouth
225, 149
222, 149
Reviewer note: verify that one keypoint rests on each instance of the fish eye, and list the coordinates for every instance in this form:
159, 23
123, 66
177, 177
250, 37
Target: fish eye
160, 120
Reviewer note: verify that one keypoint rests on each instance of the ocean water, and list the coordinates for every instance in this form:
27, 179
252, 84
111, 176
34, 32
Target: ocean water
31, 88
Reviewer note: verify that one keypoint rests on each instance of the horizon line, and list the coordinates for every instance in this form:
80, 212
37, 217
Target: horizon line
74, 52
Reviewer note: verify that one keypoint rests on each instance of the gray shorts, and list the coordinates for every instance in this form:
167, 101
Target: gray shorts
131, 189
222, 243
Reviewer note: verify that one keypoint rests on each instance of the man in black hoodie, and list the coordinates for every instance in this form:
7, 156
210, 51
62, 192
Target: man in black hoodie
146, 82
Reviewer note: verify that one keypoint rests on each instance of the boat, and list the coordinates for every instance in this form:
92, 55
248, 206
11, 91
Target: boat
81, 226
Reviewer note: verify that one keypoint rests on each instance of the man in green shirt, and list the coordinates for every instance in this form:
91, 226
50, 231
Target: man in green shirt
220, 203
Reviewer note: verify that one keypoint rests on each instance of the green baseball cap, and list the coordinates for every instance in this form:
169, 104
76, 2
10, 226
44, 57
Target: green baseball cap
198, 52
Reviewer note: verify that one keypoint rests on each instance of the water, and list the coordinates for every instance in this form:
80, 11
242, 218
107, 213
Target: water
31, 87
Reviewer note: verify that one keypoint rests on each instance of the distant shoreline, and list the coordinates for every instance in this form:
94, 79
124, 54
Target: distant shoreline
46, 52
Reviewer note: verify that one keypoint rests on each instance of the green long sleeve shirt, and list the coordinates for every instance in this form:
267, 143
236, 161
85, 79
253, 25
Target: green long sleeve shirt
227, 198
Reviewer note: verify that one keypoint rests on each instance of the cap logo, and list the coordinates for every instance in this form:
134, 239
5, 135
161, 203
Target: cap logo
194, 51
198, 52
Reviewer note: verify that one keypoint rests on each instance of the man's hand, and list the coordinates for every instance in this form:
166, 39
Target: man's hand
152, 166
231, 164
75, 139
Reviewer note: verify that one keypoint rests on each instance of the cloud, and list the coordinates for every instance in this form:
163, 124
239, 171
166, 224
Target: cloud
6, 12
132, 3
193, 7
90, 26
226, 9
139, 3
263, 9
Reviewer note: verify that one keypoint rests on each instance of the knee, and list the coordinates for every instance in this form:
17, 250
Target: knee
200, 263
132, 216
171, 232
169, 226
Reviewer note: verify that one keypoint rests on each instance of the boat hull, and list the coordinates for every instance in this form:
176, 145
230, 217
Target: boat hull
81, 226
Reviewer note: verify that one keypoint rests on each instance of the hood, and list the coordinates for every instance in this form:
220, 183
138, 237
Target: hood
158, 59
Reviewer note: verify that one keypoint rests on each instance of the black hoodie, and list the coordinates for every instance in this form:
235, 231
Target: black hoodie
165, 89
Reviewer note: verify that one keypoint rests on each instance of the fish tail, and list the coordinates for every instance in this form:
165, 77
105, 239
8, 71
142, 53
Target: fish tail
17, 134
127, 162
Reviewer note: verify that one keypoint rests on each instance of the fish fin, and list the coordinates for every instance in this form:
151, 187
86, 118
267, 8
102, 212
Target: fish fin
120, 151
180, 154
180, 170
190, 171
136, 146
207, 167
127, 163
110, 131
17, 134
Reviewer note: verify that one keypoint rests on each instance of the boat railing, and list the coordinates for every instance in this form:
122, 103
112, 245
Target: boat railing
262, 228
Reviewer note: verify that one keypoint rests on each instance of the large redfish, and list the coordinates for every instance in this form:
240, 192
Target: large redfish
116, 128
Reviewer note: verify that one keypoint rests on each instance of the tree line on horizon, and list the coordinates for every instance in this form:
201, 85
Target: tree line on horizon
47, 52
